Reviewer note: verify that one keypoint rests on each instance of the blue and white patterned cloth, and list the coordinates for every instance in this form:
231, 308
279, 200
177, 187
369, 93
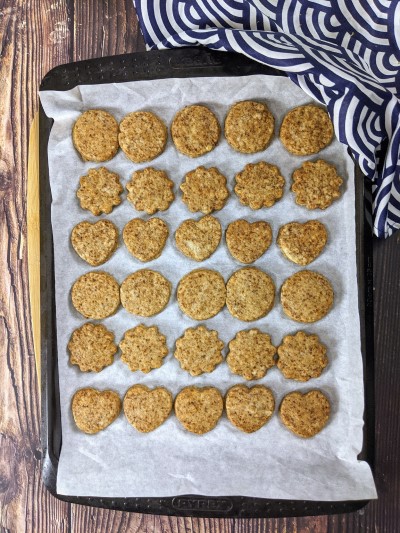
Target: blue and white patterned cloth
343, 53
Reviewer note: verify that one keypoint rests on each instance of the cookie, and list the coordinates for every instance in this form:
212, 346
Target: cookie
147, 409
305, 414
195, 130
201, 294
249, 127
306, 296
145, 239
199, 239
95, 243
306, 130
250, 294
92, 347
248, 241
199, 409
259, 185
251, 354
301, 356
316, 184
99, 191
145, 292
95, 135
95, 295
199, 350
204, 189
302, 243
143, 348
249, 408
142, 136
94, 410
150, 190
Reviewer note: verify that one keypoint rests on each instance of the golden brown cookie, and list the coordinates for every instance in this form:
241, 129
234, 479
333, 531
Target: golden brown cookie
199, 239
145, 292
305, 414
92, 347
99, 191
259, 185
195, 130
201, 294
94, 410
301, 356
142, 136
95, 243
302, 243
247, 241
147, 409
249, 126
249, 408
316, 184
306, 130
150, 190
250, 294
199, 409
306, 296
251, 354
204, 189
95, 295
95, 135
145, 239
143, 348
199, 350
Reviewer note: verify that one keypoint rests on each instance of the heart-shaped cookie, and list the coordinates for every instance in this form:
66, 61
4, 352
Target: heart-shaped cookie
94, 410
247, 241
302, 243
145, 239
199, 409
198, 239
249, 408
146, 409
305, 414
95, 242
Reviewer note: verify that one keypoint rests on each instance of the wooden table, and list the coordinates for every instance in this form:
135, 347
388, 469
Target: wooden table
35, 36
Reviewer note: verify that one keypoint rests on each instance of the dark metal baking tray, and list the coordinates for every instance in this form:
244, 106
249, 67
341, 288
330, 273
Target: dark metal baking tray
185, 62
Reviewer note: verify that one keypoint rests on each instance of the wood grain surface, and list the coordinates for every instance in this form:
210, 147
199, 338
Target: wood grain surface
35, 36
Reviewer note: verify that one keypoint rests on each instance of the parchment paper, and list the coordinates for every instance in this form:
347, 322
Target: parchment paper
271, 463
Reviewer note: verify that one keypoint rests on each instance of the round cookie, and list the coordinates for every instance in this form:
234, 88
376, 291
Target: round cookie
145, 239
199, 350
95, 243
143, 348
301, 356
94, 410
195, 130
92, 347
305, 414
145, 292
147, 409
204, 189
99, 191
95, 295
306, 130
249, 127
201, 294
249, 408
316, 184
95, 135
251, 354
248, 241
150, 190
250, 294
302, 243
142, 136
259, 185
199, 239
199, 409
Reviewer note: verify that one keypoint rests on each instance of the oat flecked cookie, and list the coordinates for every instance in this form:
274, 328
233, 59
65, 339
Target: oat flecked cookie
147, 409
251, 354
95, 243
94, 410
316, 184
143, 348
145, 239
204, 189
305, 414
199, 239
306, 296
301, 356
199, 409
150, 190
306, 130
92, 347
95, 295
259, 185
142, 136
145, 292
201, 294
95, 135
249, 126
247, 241
99, 191
195, 130
199, 350
249, 408
302, 243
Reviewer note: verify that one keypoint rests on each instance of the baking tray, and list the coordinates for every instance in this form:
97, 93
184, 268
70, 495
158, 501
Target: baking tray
185, 62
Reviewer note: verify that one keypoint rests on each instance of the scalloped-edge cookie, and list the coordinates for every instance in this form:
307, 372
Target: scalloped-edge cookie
301, 356
92, 347
199, 350
259, 185
316, 184
150, 190
204, 189
251, 354
99, 191
143, 348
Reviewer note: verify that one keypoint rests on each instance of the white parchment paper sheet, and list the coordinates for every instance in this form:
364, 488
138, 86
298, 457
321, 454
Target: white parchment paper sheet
271, 463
